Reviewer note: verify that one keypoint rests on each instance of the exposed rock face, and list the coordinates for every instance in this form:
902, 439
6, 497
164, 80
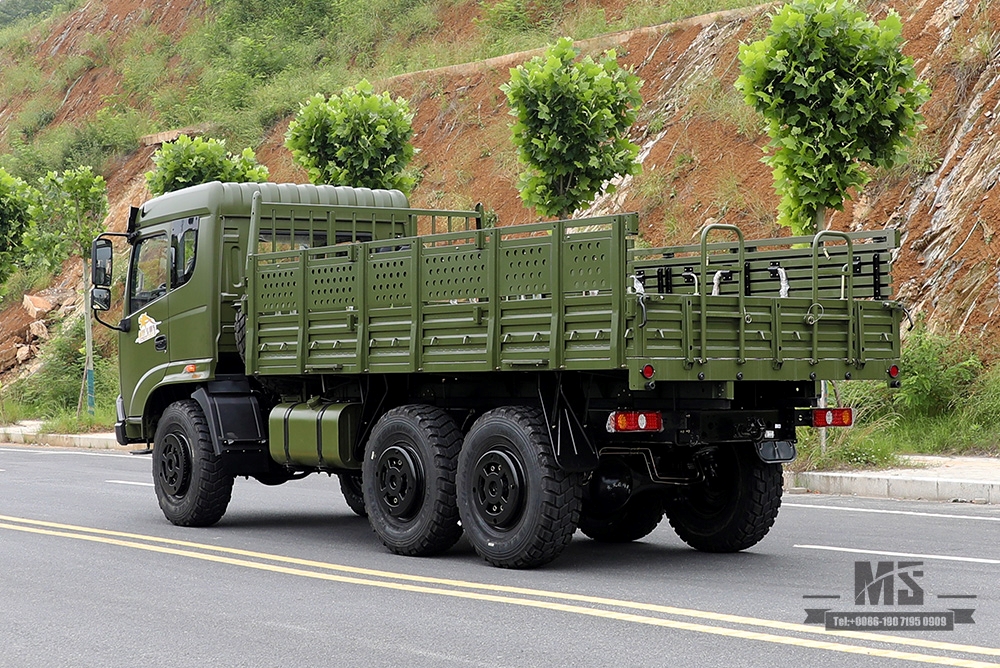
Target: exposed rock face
38, 330
36, 306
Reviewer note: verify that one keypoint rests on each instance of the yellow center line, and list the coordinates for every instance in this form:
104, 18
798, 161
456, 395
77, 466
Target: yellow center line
98, 536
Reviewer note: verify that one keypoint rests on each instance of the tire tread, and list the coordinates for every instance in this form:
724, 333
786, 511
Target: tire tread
562, 491
444, 530
754, 521
213, 489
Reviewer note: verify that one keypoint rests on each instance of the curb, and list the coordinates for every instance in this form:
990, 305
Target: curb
89, 441
894, 487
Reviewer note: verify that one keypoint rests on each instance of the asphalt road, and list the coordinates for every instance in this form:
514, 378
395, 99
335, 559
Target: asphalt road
91, 574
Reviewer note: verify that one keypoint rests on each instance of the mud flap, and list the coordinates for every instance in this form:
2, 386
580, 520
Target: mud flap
236, 426
573, 450
776, 452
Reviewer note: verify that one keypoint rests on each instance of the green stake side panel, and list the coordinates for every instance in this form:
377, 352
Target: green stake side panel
563, 295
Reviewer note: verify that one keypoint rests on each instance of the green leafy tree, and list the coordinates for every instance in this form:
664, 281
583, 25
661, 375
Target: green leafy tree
837, 93
14, 202
356, 138
572, 119
67, 212
188, 162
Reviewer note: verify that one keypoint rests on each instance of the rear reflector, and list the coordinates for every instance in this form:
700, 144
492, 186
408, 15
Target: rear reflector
833, 417
624, 421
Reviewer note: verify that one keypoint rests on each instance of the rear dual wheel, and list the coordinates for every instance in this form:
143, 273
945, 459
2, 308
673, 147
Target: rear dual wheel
353, 491
635, 520
518, 508
409, 480
735, 505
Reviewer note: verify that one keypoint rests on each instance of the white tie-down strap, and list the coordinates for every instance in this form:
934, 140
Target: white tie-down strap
637, 286
716, 280
783, 277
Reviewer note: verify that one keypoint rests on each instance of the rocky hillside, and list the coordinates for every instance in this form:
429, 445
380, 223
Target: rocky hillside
701, 146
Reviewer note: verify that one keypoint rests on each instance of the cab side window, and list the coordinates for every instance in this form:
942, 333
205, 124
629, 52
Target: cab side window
184, 239
148, 279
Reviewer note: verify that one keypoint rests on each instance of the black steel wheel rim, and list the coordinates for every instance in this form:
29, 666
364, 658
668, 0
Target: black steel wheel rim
400, 482
498, 488
174, 464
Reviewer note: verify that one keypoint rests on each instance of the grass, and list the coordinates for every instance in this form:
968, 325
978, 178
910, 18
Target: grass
949, 403
722, 103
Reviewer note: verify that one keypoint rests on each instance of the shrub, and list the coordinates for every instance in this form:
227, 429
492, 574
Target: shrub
187, 162
67, 212
572, 117
836, 91
356, 138
938, 370
14, 204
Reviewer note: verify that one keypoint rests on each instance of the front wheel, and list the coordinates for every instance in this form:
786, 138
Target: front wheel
735, 505
191, 483
518, 508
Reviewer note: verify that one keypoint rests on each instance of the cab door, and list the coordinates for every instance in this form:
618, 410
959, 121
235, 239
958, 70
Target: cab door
143, 356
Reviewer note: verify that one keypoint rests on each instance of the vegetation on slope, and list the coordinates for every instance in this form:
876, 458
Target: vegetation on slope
247, 65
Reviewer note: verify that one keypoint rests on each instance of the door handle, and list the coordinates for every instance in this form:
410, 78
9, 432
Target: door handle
160, 343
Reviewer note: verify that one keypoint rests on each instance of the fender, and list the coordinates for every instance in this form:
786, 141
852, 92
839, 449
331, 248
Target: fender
237, 428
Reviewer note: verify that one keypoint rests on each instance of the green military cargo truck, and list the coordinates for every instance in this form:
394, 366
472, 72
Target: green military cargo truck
512, 383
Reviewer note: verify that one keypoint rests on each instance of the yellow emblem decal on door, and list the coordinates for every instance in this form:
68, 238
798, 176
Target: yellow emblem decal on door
148, 328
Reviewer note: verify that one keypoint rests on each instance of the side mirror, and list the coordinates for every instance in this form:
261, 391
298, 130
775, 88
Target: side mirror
100, 299
100, 270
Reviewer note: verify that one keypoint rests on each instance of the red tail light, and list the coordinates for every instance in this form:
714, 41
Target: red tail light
623, 421
893, 371
833, 417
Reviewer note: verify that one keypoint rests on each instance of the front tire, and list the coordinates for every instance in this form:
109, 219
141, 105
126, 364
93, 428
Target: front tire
518, 508
409, 480
191, 483
734, 507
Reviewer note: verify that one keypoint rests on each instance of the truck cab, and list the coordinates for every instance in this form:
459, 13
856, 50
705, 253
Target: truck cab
185, 281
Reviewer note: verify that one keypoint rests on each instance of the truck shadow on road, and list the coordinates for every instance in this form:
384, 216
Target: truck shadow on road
352, 536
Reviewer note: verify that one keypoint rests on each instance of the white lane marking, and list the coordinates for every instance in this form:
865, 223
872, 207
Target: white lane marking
129, 482
893, 512
72, 452
829, 548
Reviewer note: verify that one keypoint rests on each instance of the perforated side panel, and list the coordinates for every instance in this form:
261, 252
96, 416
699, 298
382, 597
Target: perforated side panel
390, 281
524, 268
332, 284
586, 265
277, 289
454, 275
